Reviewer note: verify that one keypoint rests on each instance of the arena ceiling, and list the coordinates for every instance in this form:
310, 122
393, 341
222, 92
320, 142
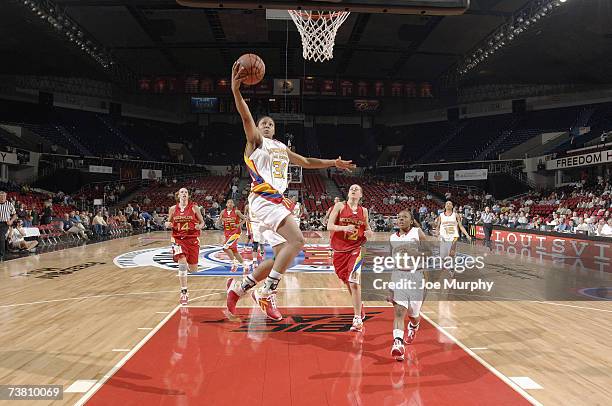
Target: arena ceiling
160, 37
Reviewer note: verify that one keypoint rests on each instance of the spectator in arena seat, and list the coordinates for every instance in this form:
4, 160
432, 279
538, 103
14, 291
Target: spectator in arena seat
512, 219
581, 225
562, 226
70, 227
158, 221
135, 220
522, 219
606, 229
35, 216
235, 192
48, 214
145, 219
503, 220
122, 220
16, 237
129, 210
99, 224
27, 222
78, 223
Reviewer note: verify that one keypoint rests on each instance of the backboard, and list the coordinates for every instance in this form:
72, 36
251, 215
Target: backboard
426, 7
295, 174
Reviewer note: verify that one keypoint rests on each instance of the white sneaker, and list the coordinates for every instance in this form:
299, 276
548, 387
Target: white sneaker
357, 324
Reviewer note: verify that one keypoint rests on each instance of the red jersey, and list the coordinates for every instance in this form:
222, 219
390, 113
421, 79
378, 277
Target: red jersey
184, 222
231, 222
343, 241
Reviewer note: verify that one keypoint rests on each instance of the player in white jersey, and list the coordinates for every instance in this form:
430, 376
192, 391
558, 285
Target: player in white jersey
267, 162
407, 298
448, 225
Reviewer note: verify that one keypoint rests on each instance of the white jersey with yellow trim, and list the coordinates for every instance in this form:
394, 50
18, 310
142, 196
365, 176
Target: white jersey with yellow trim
449, 227
270, 164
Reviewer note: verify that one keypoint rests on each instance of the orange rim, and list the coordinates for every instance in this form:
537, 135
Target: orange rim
329, 15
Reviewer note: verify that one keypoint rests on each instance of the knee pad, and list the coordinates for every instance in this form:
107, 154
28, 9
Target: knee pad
182, 271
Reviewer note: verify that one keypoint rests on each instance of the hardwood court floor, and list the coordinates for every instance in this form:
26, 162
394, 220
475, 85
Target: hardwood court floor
72, 315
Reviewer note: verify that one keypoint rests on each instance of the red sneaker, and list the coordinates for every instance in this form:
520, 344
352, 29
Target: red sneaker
397, 351
267, 304
231, 302
184, 299
410, 335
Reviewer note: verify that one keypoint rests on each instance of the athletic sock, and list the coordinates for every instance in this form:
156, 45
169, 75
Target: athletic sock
271, 282
183, 270
398, 334
183, 290
247, 283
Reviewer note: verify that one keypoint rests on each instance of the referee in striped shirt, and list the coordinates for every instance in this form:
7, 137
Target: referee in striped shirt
7, 216
487, 224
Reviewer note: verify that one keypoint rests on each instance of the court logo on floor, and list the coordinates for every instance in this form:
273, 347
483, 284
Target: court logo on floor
214, 262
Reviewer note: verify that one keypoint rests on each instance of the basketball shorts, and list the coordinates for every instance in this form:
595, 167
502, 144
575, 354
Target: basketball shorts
267, 236
347, 265
188, 248
231, 241
407, 291
268, 214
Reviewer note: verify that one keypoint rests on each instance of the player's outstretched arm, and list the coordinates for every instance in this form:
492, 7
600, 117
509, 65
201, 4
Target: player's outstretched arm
253, 135
316, 163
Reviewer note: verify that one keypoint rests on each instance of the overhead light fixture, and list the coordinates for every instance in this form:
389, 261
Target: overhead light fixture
54, 15
529, 15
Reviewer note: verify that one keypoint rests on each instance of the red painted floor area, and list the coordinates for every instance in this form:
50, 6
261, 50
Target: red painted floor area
309, 358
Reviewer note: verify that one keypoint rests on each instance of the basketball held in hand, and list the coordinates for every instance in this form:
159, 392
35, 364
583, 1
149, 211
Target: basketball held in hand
255, 68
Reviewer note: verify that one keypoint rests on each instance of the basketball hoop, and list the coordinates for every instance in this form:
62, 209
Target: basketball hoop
318, 31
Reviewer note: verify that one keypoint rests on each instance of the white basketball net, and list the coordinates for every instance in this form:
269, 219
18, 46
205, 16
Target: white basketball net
318, 31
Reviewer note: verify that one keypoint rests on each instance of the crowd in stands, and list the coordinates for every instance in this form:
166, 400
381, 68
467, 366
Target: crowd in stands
581, 208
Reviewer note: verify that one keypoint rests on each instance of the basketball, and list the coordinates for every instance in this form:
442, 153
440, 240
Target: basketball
255, 67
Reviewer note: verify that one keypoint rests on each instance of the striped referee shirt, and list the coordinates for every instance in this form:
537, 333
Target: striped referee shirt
487, 218
7, 210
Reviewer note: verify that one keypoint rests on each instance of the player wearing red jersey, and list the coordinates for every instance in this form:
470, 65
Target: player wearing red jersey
232, 220
350, 228
186, 221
